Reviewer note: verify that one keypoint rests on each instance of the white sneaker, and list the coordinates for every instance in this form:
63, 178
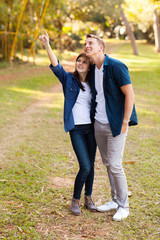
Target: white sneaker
107, 206
121, 214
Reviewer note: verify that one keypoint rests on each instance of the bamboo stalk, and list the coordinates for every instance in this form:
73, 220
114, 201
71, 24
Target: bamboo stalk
34, 55
5, 44
18, 25
37, 30
12, 33
21, 49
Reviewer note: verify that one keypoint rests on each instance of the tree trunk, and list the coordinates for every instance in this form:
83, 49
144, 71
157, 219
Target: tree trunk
129, 32
156, 30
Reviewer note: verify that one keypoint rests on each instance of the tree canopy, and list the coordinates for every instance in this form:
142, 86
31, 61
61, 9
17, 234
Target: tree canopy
68, 21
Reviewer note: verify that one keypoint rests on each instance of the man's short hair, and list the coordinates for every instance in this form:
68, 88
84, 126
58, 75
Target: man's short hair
99, 40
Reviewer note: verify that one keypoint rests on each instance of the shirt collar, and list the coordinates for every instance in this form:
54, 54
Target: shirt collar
106, 60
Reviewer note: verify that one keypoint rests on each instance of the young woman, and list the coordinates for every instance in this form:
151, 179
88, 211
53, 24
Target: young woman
77, 105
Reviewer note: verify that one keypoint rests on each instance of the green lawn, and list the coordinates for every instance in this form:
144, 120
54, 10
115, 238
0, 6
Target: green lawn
38, 166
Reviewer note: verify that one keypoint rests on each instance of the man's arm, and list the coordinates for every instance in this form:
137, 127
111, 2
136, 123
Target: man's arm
128, 106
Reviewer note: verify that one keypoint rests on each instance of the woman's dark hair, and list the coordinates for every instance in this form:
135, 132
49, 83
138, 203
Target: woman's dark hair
76, 74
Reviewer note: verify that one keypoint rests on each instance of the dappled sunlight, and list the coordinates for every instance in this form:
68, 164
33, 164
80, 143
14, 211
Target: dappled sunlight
68, 66
56, 104
42, 58
39, 59
147, 126
73, 54
147, 100
148, 107
42, 61
68, 63
25, 58
142, 69
36, 93
141, 110
58, 96
57, 99
136, 59
145, 117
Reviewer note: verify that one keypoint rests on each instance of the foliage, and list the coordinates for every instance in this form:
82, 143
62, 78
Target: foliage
140, 14
69, 21
99, 17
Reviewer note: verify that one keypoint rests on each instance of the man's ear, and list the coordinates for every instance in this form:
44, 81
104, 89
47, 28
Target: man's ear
101, 48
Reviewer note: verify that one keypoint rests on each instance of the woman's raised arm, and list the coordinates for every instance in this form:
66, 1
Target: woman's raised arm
45, 40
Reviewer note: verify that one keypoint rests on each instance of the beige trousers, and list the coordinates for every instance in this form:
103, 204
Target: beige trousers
111, 150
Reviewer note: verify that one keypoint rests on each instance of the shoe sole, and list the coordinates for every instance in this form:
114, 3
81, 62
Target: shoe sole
98, 210
76, 214
119, 220
95, 210
92, 210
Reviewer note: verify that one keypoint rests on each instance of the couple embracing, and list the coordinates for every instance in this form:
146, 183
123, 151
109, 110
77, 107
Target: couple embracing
98, 108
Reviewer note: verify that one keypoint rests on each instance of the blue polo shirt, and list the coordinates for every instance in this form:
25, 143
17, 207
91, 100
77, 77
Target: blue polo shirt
115, 75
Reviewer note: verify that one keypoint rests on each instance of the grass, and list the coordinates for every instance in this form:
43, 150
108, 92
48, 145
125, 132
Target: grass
38, 166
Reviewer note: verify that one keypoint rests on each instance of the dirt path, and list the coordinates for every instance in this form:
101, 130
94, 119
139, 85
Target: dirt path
27, 71
17, 129
22, 72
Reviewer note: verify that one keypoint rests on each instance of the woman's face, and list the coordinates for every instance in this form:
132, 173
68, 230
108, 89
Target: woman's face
82, 65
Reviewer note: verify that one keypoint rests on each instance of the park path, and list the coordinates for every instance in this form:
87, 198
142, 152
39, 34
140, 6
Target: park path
19, 128
27, 70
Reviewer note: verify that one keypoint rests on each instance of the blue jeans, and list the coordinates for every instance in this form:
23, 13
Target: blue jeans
84, 145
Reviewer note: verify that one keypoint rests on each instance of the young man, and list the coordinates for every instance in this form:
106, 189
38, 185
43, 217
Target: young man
113, 110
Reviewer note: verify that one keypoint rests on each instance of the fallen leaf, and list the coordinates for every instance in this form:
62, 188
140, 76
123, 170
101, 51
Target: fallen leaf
74, 227
23, 231
131, 162
129, 193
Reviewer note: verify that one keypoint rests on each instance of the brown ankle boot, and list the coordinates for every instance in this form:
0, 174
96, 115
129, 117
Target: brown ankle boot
89, 203
75, 208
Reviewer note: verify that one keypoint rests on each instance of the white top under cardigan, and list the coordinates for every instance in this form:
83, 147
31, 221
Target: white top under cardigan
81, 109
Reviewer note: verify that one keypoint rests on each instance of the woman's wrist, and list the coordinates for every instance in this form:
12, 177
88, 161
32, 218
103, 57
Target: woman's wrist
47, 45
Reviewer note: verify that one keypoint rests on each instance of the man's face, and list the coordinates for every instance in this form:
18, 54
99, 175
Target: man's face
92, 47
